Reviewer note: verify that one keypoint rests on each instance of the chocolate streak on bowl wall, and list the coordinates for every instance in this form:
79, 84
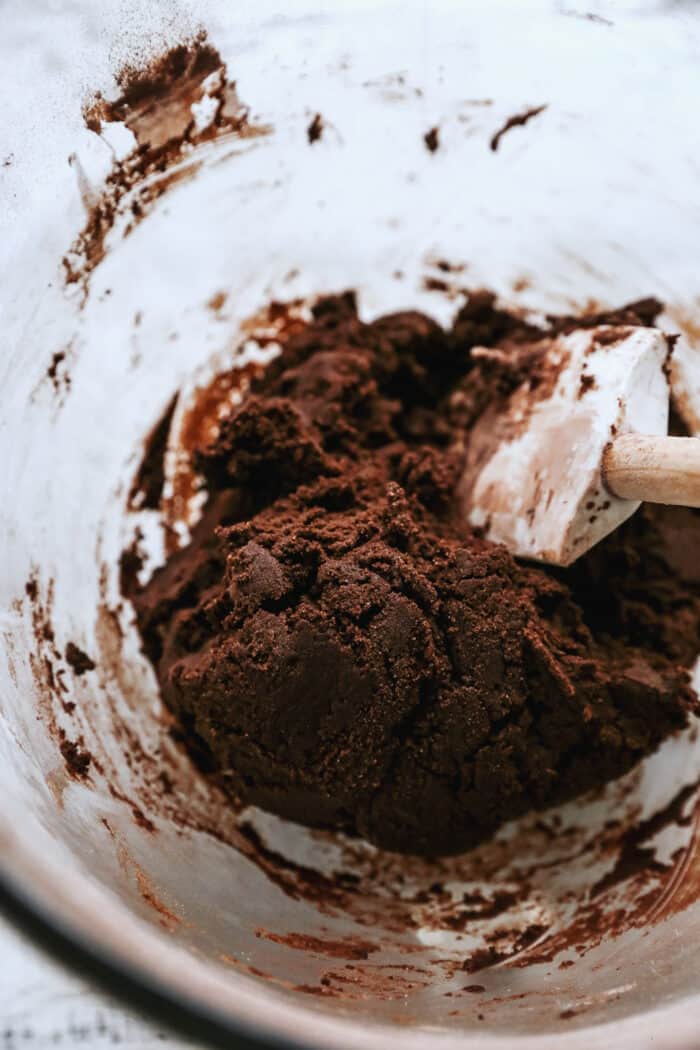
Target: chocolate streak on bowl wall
147, 486
518, 120
155, 104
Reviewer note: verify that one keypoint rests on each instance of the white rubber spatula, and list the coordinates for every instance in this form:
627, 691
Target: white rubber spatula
552, 474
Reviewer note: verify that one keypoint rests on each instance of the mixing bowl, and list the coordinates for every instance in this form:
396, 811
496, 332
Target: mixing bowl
127, 275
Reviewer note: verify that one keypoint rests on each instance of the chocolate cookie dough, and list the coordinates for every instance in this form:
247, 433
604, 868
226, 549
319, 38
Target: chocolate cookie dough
341, 651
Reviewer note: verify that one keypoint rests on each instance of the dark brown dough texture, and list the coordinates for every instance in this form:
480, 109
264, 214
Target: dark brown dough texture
341, 651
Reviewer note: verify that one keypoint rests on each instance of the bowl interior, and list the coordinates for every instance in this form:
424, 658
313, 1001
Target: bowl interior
580, 916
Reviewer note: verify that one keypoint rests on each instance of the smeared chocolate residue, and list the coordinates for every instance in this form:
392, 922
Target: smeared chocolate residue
155, 103
131, 562
297, 881
517, 121
634, 857
480, 907
137, 813
639, 313
354, 982
147, 486
348, 948
167, 918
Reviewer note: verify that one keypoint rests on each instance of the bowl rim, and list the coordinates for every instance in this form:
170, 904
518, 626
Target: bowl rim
95, 935
106, 973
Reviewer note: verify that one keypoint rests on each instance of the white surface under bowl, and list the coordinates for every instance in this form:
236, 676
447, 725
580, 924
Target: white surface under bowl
596, 198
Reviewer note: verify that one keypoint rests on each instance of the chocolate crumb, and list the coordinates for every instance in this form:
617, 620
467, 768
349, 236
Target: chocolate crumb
78, 659
217, 301
52, 371
587, 383
435, 284
76, 757
315, 129
432, 139
449, 267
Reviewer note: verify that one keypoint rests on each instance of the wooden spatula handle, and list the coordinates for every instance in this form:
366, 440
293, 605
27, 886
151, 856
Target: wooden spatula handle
654, 469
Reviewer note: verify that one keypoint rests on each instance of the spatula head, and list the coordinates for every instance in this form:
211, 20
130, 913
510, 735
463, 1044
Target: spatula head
533, 470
